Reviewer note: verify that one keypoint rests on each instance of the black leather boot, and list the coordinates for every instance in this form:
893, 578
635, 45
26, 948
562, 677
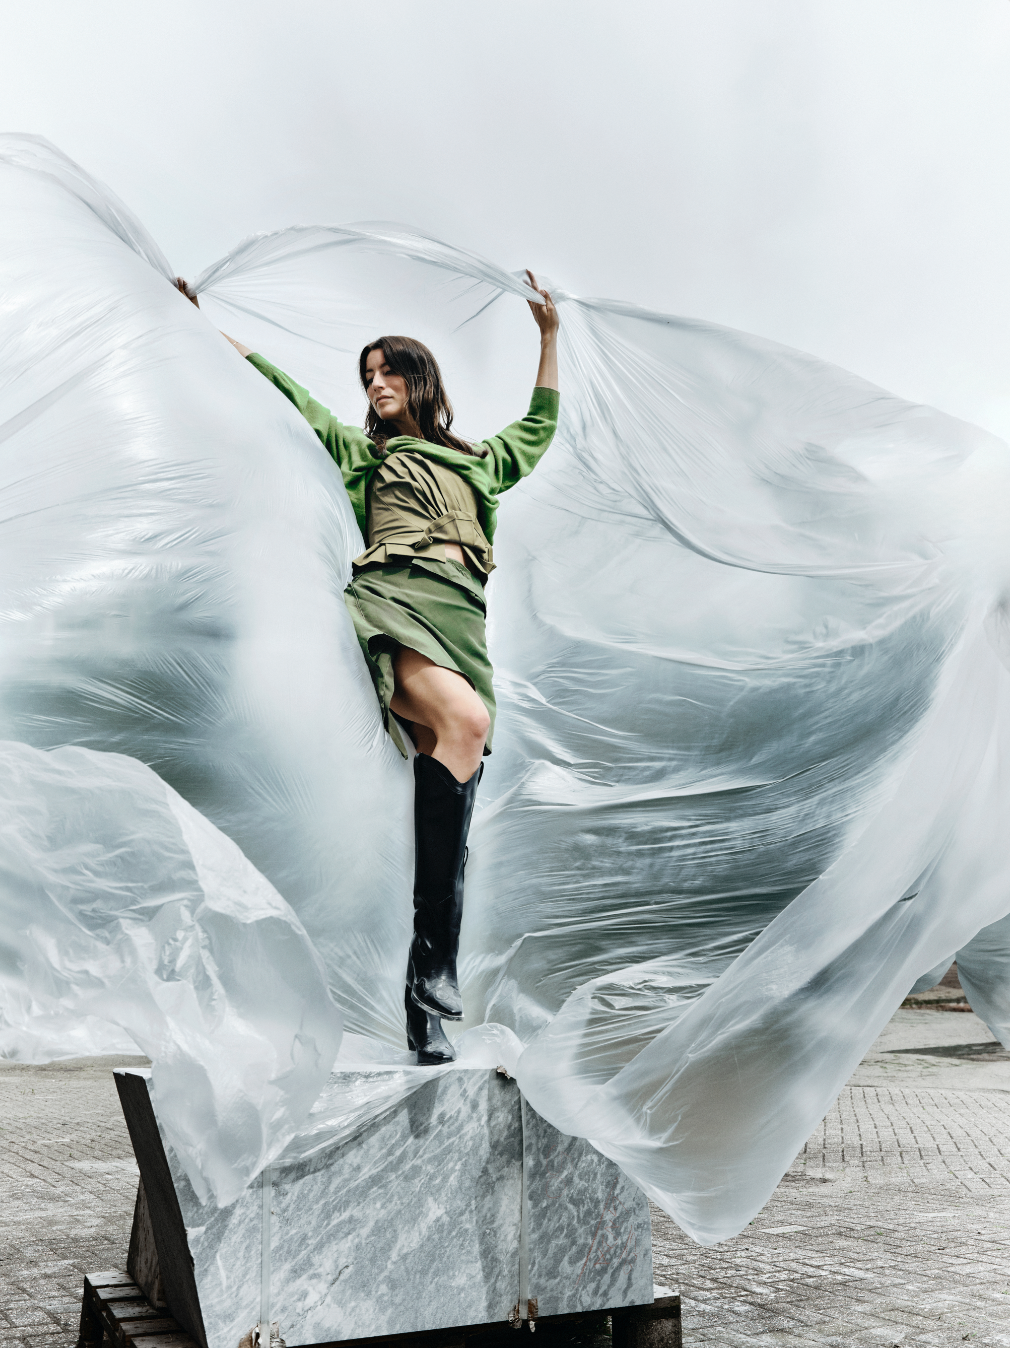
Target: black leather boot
442, 810
424, 1031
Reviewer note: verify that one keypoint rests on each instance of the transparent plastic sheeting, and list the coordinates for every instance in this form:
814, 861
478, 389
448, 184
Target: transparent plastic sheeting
750, 637
127, 916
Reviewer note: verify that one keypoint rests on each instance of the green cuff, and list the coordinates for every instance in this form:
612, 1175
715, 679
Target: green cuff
546, 402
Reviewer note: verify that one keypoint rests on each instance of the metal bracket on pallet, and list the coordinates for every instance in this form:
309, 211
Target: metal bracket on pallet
516, 1316
257, 1339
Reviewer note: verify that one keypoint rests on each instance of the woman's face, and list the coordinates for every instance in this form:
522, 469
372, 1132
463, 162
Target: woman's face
387, 392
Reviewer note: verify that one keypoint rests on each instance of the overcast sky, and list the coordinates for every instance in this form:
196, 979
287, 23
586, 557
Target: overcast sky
829, 173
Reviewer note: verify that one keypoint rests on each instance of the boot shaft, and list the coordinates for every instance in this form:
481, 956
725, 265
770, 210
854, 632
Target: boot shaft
442, 811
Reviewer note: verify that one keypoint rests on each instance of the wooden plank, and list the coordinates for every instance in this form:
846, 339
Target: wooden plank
134, 1309
175, 1262
661, 1308
114, 1279
131, 1329
91, 1330
142, 1261
654, 1325
175, 1340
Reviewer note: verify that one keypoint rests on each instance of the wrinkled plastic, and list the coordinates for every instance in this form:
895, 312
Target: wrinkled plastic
131, 922
746, 629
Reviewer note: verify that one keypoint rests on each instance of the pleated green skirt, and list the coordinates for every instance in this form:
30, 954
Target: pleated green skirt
436, 608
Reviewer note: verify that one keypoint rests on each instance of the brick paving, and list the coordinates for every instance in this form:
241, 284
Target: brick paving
68, 1183
899, 1207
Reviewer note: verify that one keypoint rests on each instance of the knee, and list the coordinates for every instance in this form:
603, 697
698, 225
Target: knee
473, 725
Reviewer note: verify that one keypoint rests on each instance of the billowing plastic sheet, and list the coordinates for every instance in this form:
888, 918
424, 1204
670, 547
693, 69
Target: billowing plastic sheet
751, 652
130, 922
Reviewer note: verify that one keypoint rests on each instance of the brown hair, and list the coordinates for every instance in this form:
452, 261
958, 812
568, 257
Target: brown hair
427, 402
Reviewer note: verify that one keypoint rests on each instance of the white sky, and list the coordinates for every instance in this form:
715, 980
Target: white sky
829, 173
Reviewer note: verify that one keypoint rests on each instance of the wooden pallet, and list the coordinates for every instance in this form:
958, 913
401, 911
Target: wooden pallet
116, 1314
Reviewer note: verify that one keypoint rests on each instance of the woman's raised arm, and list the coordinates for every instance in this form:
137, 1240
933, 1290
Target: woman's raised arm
242, 350
546, 317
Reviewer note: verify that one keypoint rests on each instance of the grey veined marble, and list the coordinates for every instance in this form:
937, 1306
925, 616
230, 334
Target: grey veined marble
589, 1233
414, 1222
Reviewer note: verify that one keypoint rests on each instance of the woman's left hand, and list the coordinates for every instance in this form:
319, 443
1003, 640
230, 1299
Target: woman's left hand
186, 289
545, 315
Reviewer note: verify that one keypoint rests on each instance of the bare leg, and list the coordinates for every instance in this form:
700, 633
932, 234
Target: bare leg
423, 737
450, 720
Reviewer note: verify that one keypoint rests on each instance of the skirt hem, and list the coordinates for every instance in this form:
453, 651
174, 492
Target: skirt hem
435, 608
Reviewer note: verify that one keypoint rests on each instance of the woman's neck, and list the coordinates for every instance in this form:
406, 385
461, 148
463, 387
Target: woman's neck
406, 426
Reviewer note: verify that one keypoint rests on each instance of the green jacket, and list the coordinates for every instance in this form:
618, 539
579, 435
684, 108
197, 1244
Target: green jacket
512, 454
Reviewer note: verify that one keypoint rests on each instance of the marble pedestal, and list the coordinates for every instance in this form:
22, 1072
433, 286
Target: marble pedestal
459, 1206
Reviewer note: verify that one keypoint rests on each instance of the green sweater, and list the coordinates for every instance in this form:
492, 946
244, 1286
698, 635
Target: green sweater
511, 454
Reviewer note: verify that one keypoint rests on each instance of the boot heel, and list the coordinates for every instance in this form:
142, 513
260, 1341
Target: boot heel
425, 1035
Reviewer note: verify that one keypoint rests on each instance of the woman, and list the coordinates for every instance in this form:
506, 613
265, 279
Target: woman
425, 501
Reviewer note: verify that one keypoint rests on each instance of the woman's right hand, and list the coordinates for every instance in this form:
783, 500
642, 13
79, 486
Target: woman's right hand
544, 315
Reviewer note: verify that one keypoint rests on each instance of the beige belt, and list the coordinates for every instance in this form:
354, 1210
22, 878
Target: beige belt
446, 529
